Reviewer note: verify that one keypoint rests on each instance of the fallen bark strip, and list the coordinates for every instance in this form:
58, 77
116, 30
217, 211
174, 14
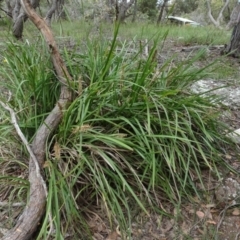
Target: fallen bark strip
33, 212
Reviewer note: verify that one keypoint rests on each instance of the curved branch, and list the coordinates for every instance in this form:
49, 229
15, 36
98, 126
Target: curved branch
219, 18
33, 212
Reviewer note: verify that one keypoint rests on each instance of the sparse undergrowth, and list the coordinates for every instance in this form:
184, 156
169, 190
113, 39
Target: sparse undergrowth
134, 136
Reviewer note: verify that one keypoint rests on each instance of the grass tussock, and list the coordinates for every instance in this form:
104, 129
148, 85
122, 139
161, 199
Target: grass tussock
133, 137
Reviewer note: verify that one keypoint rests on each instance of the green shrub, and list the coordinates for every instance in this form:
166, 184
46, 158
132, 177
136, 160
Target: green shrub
133, 133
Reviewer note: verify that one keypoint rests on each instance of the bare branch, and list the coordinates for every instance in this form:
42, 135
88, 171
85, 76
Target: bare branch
33, 212
220, 15
22, 137
216, 22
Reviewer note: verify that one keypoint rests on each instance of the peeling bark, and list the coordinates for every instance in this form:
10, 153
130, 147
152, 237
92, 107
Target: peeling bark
33, 212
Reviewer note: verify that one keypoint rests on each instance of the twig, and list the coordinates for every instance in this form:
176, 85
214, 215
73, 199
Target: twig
25, 142
223, 212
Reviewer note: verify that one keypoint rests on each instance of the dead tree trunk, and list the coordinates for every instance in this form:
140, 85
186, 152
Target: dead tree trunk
33, 212
233, 48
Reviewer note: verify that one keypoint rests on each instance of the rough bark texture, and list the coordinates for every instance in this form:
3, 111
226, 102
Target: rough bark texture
233, 48
33, 212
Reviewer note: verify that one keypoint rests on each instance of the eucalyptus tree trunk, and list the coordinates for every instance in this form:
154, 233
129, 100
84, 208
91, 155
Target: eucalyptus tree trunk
50, 12
57, 6
19, 17
161, 11
134, 11
234, 17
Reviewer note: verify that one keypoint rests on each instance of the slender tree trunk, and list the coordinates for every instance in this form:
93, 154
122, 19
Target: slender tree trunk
21, 18
51, 11
161, 11
134, 11
60, 10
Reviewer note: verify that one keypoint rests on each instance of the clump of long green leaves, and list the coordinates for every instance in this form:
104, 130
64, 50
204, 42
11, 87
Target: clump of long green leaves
133, 133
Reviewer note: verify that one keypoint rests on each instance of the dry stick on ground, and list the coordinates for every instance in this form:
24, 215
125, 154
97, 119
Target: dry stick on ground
25, 142
33, 212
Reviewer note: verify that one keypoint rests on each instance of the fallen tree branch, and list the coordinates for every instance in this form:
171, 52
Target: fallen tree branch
24, 140
33, 212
